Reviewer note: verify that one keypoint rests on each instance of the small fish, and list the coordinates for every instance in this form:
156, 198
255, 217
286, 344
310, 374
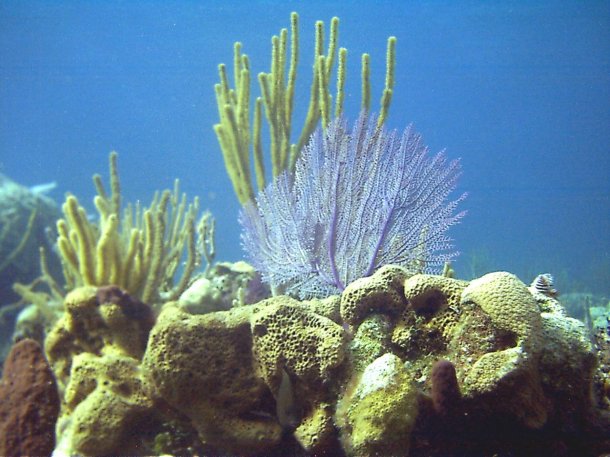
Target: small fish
287, 411
43, 189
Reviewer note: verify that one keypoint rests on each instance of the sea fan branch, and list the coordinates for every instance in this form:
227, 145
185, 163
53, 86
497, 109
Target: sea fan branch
358, 199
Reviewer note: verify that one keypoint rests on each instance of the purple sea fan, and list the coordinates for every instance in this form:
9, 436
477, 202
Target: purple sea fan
357, 200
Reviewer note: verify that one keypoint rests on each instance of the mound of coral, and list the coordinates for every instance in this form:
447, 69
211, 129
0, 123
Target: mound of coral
396, 365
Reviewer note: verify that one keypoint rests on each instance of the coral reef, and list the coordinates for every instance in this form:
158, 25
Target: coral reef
104, 402
377, 414
381, 292
29, 402
97, 321
145, 359
516, 323
394, 363
95, 350
150, 252
289, 336
223, 286
601, 384
203, 366
370, 341
247, 348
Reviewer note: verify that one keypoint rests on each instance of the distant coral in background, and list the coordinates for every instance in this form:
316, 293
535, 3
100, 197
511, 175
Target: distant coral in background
359, 199
26, 216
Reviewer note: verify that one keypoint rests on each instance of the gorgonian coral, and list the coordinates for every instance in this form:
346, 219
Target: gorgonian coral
359, 199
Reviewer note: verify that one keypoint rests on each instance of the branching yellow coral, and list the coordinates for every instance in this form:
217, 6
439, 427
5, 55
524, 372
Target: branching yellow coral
139, 250
30, 294
277, 88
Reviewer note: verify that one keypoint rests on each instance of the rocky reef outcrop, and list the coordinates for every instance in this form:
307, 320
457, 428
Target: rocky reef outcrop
399, 364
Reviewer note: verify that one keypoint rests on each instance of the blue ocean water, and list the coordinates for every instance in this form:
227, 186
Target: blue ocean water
519, 90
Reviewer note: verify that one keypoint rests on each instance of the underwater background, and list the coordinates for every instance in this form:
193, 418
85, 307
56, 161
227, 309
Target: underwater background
519, 90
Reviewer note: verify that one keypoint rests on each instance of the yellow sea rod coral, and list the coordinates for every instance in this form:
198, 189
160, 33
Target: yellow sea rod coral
237, 137
139, 250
